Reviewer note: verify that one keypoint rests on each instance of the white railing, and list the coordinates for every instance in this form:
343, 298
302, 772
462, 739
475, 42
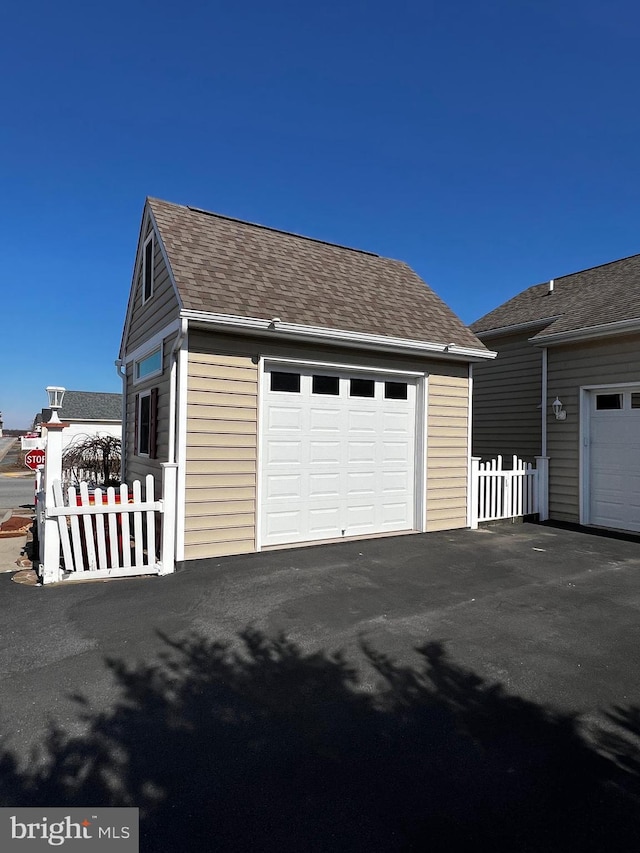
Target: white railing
497, 492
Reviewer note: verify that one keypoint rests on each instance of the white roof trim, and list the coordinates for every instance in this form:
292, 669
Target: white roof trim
280, 329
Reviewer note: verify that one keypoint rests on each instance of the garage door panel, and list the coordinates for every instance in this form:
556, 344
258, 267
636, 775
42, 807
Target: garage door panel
397, 422
284, 487
283, 525
362, 421
361, 483
324, 420
394, 481
283, 418
361, 452
396, 516
283, 452
324, 452
324, 521
396, 451
324, 486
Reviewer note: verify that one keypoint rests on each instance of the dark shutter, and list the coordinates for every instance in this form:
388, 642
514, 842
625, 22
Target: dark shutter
153, 425
136, 403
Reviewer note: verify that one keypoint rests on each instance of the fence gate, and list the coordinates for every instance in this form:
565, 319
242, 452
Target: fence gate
497, 492
102, 533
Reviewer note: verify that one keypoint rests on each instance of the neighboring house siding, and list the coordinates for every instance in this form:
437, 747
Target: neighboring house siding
137, 467
222, 430
222, 418
159, 310
506, 400
568, 368
447, 450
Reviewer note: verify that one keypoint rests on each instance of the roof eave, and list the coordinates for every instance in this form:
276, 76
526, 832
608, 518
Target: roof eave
514, 328
314, 334
603, 330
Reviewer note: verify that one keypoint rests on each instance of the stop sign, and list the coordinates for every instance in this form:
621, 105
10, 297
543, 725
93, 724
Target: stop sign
33, 459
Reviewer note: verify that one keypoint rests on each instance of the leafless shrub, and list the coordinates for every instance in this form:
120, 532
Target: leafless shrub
94, 460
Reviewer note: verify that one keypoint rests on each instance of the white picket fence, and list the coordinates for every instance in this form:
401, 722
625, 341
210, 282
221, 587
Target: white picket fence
105, 533
498, 492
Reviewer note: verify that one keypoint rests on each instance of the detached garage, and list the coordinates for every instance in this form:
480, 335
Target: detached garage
307, 392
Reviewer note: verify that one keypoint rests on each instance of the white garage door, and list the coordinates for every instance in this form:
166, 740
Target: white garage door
614, 458
338, 454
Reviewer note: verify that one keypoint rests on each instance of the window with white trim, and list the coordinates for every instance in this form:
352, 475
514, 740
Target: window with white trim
149, 366
147, 269
146, 423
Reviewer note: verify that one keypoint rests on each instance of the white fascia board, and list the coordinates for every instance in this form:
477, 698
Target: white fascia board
603, 330
283, 330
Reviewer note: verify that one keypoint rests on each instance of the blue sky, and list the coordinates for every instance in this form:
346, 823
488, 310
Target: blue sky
490, 145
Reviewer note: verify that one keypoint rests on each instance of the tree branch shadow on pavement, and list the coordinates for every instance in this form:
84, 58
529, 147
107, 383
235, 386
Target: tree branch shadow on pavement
264, 747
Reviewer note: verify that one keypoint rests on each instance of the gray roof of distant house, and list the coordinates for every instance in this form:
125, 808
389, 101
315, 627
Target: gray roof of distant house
226, 266
609, 293
88, 406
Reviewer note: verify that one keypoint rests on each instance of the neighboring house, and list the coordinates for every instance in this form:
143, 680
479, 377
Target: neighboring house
307, 391
576, 341
88, 413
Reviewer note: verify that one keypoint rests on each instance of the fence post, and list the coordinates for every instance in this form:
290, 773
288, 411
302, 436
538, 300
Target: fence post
52, 471
168, 543
542, 487
474, 477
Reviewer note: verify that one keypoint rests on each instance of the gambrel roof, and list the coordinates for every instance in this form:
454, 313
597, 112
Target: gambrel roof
590, 299
230, 267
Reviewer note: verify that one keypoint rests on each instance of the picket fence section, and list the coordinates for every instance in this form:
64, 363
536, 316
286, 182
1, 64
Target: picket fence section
107, 531
498, 492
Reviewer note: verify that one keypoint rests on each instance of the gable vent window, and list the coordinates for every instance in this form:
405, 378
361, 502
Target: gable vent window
147, 270
608, 402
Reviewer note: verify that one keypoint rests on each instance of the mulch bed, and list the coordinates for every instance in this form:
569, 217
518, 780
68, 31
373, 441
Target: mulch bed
17, 525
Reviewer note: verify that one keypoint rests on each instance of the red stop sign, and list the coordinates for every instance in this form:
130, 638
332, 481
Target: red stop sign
33, 459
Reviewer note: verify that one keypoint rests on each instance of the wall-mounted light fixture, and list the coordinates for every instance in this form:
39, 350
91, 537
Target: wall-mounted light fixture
56, 396
558, 411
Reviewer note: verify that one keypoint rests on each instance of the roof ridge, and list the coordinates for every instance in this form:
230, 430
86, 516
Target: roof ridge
594, 267
268, 228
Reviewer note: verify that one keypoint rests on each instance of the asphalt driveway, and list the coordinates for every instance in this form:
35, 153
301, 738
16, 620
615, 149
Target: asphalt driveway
461, 690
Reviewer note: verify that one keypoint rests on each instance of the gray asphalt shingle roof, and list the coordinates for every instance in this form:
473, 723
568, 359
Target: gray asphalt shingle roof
226, 266
605, 294
88, 406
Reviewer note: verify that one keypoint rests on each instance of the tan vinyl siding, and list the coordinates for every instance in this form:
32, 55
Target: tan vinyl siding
447, 450
137, 467
603, 362
222, 424
506, 399
158, 311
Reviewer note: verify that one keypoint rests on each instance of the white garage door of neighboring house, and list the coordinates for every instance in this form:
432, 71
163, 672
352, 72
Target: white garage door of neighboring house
614, 458
338, 454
